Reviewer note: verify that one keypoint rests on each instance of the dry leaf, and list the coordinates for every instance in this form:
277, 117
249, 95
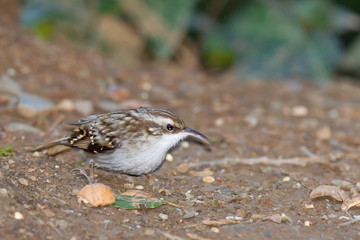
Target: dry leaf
275, 218
204, 173
47, 212
285, 218
330, 191
96, 194
257, 217
182, 168
355, 201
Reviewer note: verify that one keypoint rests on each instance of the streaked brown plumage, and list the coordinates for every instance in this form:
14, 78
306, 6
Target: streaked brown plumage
131, 141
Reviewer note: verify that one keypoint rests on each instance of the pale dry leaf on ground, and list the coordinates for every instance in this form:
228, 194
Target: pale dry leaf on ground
182, 168
277, 218
204, 173
96, 194
355, 201
329, 191
258, 217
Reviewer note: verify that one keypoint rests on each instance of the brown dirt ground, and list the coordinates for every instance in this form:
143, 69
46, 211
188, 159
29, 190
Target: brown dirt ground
217, 106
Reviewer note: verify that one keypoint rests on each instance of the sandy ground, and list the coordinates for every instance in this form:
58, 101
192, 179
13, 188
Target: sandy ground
272, 144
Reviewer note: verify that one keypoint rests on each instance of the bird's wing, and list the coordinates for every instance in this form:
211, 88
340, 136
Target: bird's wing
95, 135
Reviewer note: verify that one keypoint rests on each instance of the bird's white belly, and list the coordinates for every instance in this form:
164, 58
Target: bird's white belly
142, 159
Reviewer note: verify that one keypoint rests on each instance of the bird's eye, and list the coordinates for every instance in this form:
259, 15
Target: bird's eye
169, 127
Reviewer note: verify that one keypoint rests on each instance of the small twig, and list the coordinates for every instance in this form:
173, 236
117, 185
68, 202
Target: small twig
357, 219
170, 236
195, 236
298, 161
306, 151
51, 225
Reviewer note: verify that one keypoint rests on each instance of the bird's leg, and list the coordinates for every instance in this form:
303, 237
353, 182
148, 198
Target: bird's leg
149, 179
92, 163
90, 177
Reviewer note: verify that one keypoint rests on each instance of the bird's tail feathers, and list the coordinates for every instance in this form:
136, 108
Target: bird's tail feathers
61, 141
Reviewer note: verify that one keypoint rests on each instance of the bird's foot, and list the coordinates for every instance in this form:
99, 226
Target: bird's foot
149, 179
90, 177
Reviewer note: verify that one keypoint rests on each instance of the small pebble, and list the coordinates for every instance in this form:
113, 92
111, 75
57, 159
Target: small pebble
169, 157
185, 144
149, 232
139, 187
252, 120
22, 127
4, 193
146, 86
297, 185
299, 111
286, 179
18, 216
84, 107
31, 105
307, 223
324, 133
66, 105
190, 214
215, 230
36, 154
24, 181
208, 179
309, 206
219, 122
163, 216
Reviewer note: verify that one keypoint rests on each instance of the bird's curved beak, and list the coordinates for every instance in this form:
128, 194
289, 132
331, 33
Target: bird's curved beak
197, 136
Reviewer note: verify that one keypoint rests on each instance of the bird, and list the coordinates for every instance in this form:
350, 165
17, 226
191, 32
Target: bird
130, 141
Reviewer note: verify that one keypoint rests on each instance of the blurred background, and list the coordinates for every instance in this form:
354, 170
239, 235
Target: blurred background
257, 40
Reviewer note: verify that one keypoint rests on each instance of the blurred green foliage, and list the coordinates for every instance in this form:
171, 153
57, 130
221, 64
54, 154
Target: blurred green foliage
6, 152
259, 39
